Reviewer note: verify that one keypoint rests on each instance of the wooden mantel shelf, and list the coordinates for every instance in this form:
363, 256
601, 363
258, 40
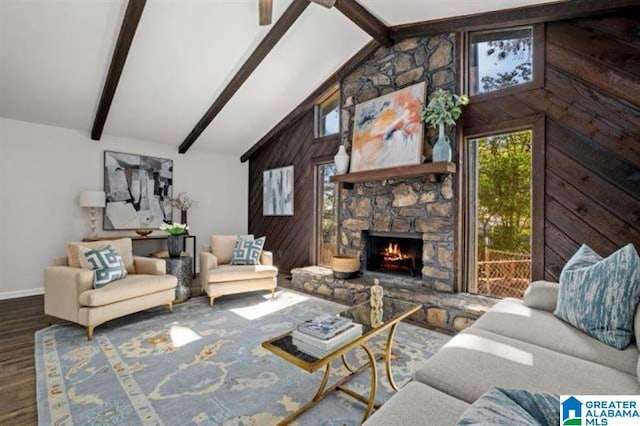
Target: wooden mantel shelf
442, 168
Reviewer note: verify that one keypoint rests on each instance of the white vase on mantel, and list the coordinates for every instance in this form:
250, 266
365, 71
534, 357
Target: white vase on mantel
441, 149
341, 160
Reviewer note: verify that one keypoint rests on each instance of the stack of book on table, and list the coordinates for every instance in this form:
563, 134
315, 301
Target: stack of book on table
322, 335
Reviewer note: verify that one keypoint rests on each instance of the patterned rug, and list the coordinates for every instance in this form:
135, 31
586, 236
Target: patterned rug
203, 366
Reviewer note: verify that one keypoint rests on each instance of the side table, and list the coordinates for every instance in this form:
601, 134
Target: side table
180, 267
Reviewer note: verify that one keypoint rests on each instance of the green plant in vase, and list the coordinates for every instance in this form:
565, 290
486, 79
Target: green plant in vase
176, 233
443, 109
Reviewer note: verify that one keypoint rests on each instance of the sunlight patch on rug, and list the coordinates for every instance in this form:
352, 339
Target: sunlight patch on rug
270, 306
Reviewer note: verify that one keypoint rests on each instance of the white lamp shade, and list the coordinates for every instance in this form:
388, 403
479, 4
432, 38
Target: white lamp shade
92, 199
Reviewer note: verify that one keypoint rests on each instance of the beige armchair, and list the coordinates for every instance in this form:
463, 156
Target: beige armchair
69, 292
219, 278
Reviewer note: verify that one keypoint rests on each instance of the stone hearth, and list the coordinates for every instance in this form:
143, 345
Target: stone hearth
446, 311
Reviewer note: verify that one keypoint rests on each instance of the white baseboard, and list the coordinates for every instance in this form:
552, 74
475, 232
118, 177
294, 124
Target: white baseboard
21, 293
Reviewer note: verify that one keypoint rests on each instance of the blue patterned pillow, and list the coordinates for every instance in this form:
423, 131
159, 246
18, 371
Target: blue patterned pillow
106, 262
600, 296
247, 252
513, 407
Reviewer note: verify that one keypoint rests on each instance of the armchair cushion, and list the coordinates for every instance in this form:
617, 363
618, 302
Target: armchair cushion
222, 246
122, 246
226, 273
106, 264
149, 266
127, 288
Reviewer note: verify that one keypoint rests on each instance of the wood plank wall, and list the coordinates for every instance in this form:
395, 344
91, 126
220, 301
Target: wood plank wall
591, 99
289, 238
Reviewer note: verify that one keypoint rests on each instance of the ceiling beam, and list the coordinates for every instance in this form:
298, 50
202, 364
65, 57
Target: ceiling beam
311, 100
525, 15
274, 35
123, 44
360, 16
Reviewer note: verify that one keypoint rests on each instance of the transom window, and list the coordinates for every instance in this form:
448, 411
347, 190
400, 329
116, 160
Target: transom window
499, 59
328, 115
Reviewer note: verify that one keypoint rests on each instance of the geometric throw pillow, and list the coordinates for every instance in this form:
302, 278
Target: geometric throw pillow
106, 262
247, 252
513, 407
600, 296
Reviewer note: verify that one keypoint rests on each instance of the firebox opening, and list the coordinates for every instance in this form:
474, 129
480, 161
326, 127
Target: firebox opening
396, 253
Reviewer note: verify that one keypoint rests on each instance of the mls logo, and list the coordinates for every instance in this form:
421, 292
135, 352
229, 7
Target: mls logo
571, 411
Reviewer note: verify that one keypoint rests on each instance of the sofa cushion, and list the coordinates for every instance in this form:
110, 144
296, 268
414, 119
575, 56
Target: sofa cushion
601, 298
513, 407
122, 246
247, 252
418, 404
106, 263
127, 288
476, 360
226, 273
237, 287
511, 318
222, 246
542, 295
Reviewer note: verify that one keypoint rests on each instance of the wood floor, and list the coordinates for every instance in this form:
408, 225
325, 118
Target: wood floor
19, 320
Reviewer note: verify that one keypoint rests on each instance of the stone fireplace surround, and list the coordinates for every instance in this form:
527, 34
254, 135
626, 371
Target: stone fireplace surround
424, 205
404, 206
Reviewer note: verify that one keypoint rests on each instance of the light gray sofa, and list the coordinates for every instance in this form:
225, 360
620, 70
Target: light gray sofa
513, 346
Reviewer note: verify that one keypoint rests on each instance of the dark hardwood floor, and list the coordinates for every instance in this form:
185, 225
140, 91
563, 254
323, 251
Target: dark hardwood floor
19, 320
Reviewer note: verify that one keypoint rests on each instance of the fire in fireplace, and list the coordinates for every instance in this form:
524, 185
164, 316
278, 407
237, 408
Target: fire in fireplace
397, 253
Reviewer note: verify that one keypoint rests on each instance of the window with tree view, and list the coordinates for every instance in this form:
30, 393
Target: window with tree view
327, 226
327, 115
500, 59
500, 212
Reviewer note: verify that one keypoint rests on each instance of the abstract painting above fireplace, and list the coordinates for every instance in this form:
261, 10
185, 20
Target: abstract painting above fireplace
393, 253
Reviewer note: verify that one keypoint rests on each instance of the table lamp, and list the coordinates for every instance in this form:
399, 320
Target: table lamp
93, 200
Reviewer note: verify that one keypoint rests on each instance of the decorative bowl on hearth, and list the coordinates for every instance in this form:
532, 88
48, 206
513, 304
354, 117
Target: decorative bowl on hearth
345, 267
144, 232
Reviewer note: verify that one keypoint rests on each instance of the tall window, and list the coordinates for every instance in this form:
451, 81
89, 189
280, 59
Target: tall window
328, 115
501, 59
327, 215
500, 213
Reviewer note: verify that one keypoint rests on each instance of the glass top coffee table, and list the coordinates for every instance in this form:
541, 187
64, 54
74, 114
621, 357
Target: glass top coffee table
374, 322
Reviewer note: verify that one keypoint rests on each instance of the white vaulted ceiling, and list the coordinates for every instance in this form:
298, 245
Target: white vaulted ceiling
54, 56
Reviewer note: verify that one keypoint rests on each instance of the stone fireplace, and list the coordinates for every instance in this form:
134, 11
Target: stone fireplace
393, 253
423, 207
417, 210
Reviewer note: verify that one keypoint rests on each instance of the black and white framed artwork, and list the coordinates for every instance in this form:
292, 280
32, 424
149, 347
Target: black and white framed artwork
138, 189
277, 191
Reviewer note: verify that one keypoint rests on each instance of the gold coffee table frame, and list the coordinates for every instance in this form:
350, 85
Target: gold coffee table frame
314, 364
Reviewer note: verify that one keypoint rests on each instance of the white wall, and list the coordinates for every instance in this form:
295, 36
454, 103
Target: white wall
43, 169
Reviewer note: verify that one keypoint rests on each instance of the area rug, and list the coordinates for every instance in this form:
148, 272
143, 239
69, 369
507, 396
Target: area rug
203, 366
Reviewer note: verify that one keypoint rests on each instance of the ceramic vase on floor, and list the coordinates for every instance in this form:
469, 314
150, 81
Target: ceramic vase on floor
441, 149
174, 245
342, 160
